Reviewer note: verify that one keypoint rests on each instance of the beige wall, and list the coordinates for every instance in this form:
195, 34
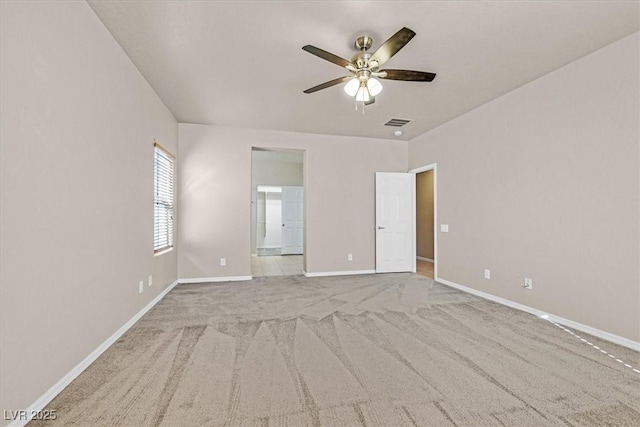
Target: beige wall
215, 197
424, 214
543, 183
276, 173
78, 123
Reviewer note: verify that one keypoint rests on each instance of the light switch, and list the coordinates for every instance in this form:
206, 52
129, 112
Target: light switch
444, 228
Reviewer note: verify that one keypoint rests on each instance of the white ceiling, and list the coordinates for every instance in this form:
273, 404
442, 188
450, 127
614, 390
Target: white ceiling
240, 63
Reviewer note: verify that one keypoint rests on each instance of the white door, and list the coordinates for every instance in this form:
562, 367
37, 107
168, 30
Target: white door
394, 222
292, 220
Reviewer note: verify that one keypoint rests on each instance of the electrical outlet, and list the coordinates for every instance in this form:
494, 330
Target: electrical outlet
528, 283
150, 280
350, 257
141, 286
223, 261
487, 273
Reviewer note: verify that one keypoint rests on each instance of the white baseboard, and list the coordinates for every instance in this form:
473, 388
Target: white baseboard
616, 339
48, 396
338, 273
421, 258
215, 279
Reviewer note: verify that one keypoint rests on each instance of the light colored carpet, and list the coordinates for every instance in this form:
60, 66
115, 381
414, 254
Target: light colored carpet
375, 350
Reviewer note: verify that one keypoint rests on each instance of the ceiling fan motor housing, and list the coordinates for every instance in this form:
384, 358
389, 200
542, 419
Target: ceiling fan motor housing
363, 62
361, 59
363, 74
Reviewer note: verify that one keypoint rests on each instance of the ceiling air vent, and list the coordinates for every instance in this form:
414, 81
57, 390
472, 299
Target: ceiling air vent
398, 123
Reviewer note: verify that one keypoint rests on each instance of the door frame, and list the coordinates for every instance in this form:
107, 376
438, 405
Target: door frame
416, 171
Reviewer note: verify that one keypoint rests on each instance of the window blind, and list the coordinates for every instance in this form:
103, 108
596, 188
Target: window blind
163, 199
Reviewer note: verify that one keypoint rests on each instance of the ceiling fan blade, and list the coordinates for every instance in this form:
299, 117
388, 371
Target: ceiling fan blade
406, 75
328, 56
328, 84
392, 46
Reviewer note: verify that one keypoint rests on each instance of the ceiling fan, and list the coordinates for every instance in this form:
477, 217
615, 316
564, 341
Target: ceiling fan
364, 67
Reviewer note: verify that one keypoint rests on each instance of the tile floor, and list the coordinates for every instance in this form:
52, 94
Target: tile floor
269, 251
284, 265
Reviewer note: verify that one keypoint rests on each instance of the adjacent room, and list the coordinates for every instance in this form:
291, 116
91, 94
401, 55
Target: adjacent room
277, 213
338, 213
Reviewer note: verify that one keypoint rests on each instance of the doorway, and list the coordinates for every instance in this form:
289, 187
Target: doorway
277, 215
426, 221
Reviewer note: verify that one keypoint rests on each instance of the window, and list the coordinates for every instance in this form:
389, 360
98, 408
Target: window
162, 199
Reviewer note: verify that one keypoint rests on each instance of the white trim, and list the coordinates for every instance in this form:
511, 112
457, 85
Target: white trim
268, 189
435, 220
616, 339
163, 251
215, 279
48, 396
414, 220
421, 258
423, 168
338, 273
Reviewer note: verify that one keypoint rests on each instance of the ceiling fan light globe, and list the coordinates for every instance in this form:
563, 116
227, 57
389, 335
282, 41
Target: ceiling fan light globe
374, 86
363, 94
351, 88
